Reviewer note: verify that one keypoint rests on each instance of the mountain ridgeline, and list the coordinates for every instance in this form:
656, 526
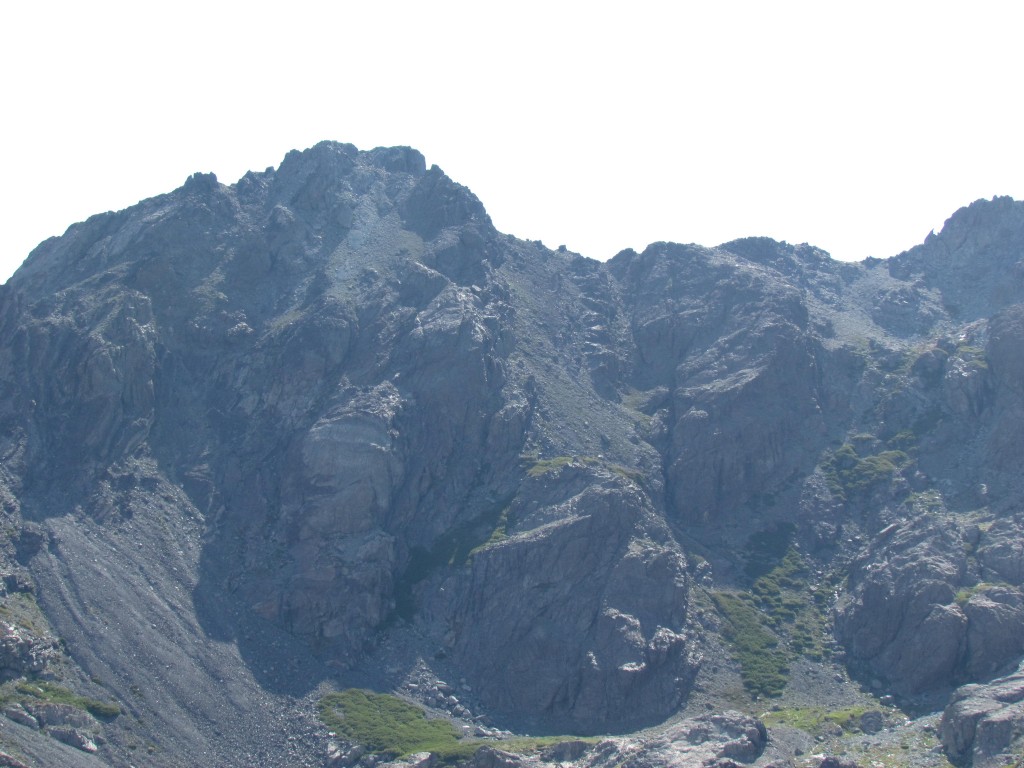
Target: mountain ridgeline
327, 428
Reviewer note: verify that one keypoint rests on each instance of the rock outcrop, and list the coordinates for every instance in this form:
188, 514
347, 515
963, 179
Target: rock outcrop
22, 652
626, 638
983, 725
932, 603
726, 739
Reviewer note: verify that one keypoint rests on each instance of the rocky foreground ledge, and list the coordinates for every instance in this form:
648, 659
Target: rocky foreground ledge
982, 723
719, 741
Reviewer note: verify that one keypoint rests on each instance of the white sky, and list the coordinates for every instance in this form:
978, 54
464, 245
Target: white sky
857, 127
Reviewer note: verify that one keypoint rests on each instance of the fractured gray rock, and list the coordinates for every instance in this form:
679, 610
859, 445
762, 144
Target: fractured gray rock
73, 737
601, 592
911, 619
22, 652
984, 724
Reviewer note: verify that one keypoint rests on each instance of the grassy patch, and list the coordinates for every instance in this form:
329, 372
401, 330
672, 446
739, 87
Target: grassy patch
813, 719
388, 725
872, 470
498, 535
781, 593
973, 357
21, 608
44, 690
792, 608
526, 744
849, 474
928, 501
782, 617
965, 594
904, 440
633, 475
764, 667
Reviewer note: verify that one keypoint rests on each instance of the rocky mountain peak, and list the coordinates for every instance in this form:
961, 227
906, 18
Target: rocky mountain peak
326, 428
974, 261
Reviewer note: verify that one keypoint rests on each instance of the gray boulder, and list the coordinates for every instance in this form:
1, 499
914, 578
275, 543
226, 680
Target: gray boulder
983, 725
73, 737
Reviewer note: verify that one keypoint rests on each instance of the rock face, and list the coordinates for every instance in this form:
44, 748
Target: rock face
609, 557
724, 336
911, 616
22, 652
983, 725
327, 425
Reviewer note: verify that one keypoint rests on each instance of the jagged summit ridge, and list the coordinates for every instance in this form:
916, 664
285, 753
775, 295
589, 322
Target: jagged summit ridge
327, 427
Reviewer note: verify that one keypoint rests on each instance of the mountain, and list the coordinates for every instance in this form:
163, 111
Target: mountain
328, 429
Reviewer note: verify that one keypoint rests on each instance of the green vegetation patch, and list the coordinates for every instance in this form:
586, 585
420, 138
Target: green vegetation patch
973, 357
792, 608
498, 535
780, 618
43, 690
387, 725
905, 752
633, 475
779, 592
526, 744
764, 666
813, 719
849, 474
928, 501
965, 594
904, 440
872, 470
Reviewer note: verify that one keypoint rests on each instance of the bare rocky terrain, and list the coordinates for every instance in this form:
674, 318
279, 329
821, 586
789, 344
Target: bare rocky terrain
327, 429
